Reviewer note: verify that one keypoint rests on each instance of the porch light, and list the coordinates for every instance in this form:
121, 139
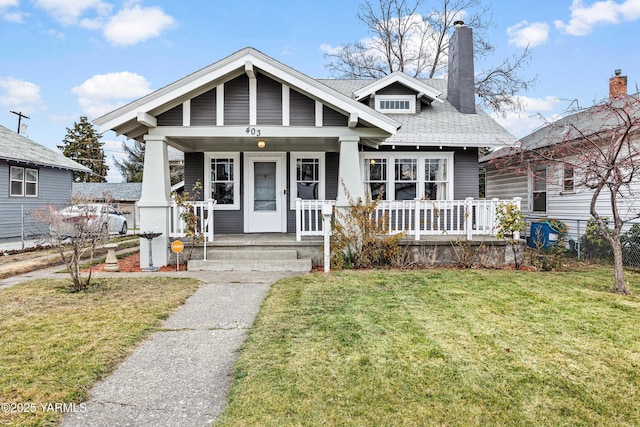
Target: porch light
261, 143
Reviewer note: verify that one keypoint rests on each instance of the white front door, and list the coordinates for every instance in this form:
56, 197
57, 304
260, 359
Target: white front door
264, 195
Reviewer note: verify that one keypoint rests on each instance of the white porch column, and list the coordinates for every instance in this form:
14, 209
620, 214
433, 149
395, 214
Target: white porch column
349, 171
154, 202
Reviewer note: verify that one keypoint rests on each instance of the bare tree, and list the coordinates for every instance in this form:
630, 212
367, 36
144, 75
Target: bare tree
601, 146
76, 232
404, 38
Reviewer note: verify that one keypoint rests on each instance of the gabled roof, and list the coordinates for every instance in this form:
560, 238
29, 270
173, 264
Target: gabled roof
20, 149
124, 118
439, 124
589, 121
398, 77
117, 191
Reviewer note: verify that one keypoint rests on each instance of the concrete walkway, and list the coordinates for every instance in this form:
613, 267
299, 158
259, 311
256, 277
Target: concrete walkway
181, 376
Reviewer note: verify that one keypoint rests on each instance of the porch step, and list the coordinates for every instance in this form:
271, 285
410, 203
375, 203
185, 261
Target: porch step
252, 254
252, 260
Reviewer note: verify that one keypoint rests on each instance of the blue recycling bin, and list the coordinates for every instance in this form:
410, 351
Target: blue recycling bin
543, 235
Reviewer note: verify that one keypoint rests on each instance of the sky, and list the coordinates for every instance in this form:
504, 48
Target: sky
63, 59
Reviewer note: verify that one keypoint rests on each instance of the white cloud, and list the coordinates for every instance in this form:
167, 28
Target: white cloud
105, 92
8, 3
135, 24
20, 94
535, 113
68, 12
524, 34
585, 18
14, 16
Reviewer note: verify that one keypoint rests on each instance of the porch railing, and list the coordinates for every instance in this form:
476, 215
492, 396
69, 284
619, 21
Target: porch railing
204, 211
415, 218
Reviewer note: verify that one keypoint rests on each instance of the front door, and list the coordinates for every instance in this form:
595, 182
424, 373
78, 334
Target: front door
265, 193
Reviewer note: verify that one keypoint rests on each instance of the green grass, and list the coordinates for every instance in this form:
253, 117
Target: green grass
442, 347
55, 345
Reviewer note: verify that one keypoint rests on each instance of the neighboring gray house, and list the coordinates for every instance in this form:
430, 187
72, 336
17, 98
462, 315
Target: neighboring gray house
121, 195
31, 175
258, 134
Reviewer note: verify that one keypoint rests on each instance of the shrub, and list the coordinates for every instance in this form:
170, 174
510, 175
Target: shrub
593, 245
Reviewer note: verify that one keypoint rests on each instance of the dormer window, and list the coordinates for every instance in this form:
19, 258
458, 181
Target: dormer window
396, 104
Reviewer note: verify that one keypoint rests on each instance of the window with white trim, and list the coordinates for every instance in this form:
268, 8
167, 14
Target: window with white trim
307, 177
539, 189
435, 179
567, 178
396, 104
223, 179
425, 176
23, 182
405, 184
375, 177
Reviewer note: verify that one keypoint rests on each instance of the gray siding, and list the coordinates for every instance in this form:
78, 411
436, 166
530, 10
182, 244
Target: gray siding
465, 178
331, 117
203, 109
236, 101
54, 188
396, 89
193, 171
269, 98
302, 110
331, 176
172, 117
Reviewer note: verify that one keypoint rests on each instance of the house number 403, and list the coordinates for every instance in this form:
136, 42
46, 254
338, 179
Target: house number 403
253, 131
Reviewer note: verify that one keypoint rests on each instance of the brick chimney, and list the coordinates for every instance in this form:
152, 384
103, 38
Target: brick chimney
617, 85
460, 85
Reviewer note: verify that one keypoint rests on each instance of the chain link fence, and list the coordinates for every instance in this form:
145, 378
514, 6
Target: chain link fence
22, 226
582, 239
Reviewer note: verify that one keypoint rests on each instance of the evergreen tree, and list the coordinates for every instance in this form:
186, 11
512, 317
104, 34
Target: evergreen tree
131, 167
82, 144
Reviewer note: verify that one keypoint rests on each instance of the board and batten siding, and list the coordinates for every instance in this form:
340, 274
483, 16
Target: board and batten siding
203, 109
236, 101
302, 109
269, 101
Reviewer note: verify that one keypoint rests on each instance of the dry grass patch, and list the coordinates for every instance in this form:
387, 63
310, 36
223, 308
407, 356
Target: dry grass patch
442, 347
54, 345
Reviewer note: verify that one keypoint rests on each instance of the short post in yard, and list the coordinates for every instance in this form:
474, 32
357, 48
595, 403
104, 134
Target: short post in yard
111, 263
327, 211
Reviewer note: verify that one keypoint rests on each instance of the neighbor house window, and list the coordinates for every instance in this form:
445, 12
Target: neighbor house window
406, 179
223, 185
23, 182
375, 177
567, 178
307, 177
396, 103
435, 179
539, 193
425, 176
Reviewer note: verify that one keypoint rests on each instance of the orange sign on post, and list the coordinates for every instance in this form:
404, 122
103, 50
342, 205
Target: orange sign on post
177, 246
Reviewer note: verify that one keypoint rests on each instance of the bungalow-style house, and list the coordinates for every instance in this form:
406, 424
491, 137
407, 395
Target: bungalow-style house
259, 135
550, 190
123, 196
31, 175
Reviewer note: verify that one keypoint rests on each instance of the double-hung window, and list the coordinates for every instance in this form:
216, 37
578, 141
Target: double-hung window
539, 193
435, 179
375, 177
406, 179
307, 177
23, 182
223, 185
567, 178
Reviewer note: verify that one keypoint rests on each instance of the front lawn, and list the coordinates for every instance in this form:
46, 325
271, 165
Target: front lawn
442, 347
54, 345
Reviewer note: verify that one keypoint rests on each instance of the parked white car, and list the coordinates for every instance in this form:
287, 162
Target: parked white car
87, 218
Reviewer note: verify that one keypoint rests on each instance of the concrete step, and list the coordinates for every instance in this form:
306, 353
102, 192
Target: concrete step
252, 254
257, 264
